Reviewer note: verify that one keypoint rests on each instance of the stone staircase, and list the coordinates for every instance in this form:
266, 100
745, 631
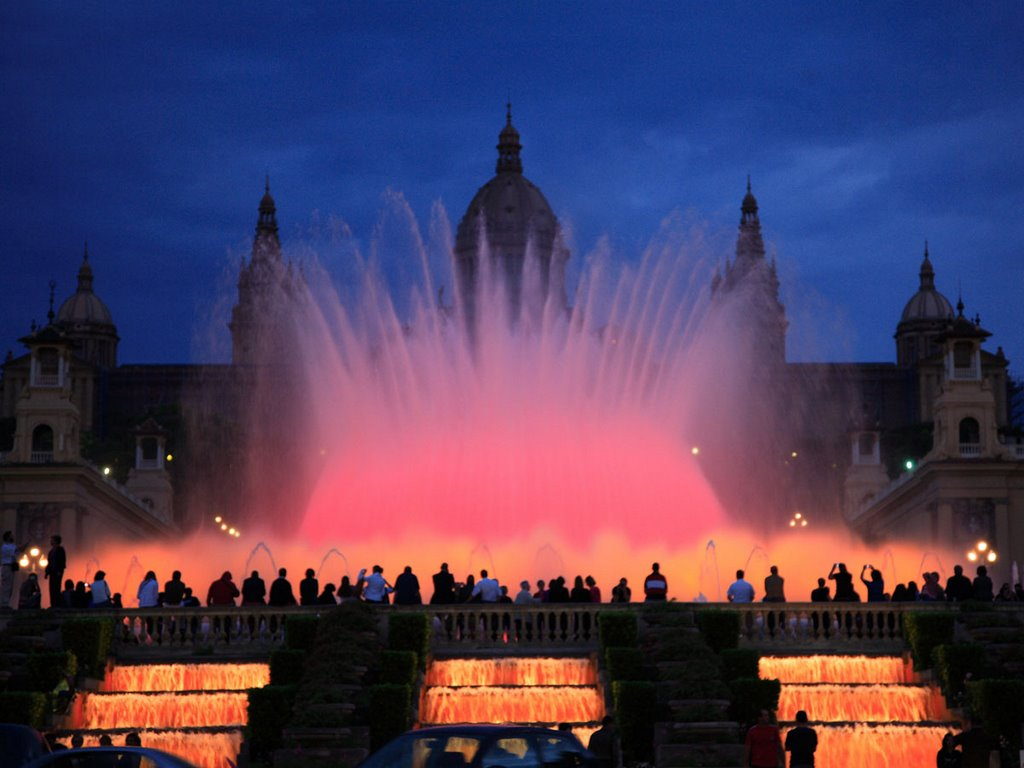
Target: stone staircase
1002, 634
691, 691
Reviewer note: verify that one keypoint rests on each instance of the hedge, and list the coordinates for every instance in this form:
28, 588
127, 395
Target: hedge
46, 670
627, 664
270, 710
617, 629
398, 667
300, 632
287, 666
925, 631
999, 704
636, 710
410, 632
390, 712
89, 640
24, 708
739, 662
750, 695
953, 663
721, 629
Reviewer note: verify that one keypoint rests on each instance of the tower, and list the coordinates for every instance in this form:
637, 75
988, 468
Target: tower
925, 317
267, 288
749, 288
87, 322
510, 234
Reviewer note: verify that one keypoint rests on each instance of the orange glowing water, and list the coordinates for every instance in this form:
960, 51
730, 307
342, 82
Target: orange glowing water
835, 669
524, 671
207, 750
878, 746
532, 704
860, 703
186, 677
164, 710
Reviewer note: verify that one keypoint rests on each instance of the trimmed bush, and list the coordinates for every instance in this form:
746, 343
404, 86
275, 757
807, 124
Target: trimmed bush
739, 662
89, 640
287, 666
925, 631
999, 704
721, 629
750, 695
300, 632
617, 629
270, 710
47, 670
410, 632
24, 708
636, 710
398, 667
390, 712
952, 664
627, 664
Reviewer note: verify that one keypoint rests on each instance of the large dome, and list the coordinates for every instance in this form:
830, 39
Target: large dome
515, 216
84, 307
927, 303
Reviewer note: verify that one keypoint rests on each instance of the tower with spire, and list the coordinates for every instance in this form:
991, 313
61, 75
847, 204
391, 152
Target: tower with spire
749, 290
266, 288
87, 322
510, 236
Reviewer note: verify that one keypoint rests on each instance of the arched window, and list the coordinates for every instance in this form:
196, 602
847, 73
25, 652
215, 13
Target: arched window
970, 437
42, 444
149, 448
49, 367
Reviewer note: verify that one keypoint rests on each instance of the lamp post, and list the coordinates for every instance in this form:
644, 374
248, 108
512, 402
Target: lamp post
982, 552
33, 557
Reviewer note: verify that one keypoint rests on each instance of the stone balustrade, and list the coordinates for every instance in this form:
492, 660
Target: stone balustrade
476, 626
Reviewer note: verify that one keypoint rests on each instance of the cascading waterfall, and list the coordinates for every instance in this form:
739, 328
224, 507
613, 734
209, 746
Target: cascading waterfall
195, 711
866, 710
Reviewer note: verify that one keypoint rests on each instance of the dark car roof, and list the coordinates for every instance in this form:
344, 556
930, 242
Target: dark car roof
20, 744
65, 756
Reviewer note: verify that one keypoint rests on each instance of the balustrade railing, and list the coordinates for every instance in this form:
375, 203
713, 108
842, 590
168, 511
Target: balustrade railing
501, 625
481, 626
867, 626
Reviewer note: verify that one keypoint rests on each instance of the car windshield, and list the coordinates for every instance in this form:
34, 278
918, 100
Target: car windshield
415, 751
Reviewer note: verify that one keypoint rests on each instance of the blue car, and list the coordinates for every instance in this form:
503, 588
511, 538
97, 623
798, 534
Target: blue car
110, 757
482, 746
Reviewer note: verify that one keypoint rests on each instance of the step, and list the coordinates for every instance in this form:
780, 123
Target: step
717, 732
678, 755
691, 710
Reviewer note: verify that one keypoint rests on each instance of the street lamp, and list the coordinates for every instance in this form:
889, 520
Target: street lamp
982, 553
32, 558
798, 520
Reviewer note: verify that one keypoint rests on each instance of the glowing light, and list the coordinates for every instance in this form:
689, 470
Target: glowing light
982, 546
908, 465
972, 556
106, 471
792, 523
218, 519
43, 562
231, 531
24, 561
793, 455
223, 526
803, 523
170, 457
695, 450
34, 552
798, 515
991, 557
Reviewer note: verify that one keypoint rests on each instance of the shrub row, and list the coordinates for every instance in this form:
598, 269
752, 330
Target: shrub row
925, 631
89, 640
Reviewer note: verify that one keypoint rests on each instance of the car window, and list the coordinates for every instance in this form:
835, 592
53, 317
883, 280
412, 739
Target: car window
515, 752
560, 749
412, 751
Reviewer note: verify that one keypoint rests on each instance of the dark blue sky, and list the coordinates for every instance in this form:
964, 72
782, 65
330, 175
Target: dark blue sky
147, 128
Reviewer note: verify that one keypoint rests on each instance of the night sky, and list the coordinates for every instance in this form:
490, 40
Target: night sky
147, 128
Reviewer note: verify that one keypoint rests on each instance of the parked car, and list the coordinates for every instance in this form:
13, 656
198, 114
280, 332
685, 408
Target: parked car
110, 757
20, 745
482, 746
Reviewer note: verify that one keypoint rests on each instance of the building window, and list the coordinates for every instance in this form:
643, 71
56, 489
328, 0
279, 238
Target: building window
970, 438
48, 373
42, 444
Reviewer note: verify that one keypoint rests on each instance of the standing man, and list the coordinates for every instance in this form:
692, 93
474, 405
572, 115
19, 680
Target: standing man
444, 587
8, 561
763, 747
56, 564
488, 589
801, 743
655, 585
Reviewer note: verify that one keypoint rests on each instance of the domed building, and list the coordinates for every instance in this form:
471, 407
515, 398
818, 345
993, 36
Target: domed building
509, 237
85, 319
924, 318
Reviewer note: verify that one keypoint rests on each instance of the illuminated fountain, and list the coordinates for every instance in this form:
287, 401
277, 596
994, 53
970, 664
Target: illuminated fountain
195, 711
534, 691
866, 710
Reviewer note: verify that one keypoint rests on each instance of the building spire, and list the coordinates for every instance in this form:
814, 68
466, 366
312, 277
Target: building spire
927, 273
749, 244
85, 272
509, 146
